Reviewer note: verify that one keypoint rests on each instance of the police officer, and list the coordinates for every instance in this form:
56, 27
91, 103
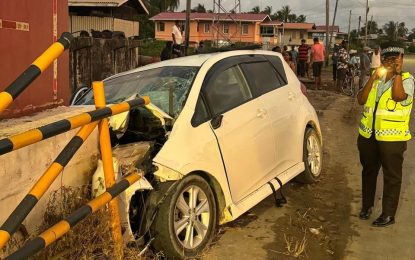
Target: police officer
383, 133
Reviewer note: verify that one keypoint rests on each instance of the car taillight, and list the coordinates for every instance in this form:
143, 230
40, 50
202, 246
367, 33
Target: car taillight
303, 89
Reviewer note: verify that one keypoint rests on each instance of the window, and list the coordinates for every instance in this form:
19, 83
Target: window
160, 26
245, 28
267, 31
201, 114
276, 62
226, 90
225, 28
207, 27
262, 77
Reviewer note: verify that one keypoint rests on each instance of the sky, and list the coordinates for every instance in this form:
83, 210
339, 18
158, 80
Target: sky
382, 10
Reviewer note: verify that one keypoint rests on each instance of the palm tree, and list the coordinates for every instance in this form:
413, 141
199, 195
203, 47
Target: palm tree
255, 10
267, 10
284, 13
402, 31
301, 18
164, 5
390, 29
200, 8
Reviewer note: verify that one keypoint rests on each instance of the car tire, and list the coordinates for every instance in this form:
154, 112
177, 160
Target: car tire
177, 215
312, 157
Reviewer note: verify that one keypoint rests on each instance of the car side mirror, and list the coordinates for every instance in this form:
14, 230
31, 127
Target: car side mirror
79, 93
216, 122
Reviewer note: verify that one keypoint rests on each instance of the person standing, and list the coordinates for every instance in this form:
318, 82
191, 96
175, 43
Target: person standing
177, 37
288, 58
342, 65
364, 67
335, 58
302, 58
383, 133
317, 58
294, 57
375, 59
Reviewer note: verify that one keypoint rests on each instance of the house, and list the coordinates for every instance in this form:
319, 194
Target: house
320, 32
100, 15
241, 27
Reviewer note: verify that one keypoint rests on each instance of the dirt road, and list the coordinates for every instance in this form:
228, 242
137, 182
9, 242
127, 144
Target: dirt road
321, 221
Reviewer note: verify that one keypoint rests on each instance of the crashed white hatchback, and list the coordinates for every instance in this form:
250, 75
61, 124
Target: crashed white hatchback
223, 132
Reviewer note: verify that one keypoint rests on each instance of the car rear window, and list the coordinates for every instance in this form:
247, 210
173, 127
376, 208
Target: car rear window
262, 77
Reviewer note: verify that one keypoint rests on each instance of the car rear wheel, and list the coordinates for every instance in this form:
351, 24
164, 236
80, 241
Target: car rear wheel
186, 220
312, 156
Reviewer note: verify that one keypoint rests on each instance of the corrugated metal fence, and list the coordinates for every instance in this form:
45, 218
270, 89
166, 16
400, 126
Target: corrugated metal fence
88, 23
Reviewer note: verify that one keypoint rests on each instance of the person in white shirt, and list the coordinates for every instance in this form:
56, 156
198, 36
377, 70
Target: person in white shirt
177, 34
375, 63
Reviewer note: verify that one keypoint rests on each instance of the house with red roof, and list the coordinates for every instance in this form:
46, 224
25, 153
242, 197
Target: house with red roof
241, 27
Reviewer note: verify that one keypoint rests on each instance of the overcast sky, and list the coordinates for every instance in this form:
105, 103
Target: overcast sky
382, 10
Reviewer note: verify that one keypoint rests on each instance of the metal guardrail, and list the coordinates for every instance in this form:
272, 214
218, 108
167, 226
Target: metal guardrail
87, 121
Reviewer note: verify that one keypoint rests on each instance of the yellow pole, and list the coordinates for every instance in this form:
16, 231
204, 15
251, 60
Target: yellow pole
106, 156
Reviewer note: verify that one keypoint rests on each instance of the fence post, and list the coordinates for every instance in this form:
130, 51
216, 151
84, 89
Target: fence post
106, 156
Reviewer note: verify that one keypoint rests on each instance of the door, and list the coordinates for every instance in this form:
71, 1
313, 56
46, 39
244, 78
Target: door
269, 82
242, 129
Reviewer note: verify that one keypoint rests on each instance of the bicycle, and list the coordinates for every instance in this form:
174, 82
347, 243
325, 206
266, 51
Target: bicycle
350, 85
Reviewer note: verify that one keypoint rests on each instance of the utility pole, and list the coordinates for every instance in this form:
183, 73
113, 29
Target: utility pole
367, 11
327, 31
358, 28
334, 19
348, 32
187, 29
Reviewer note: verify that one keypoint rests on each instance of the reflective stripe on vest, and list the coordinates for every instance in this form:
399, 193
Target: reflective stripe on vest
392, 118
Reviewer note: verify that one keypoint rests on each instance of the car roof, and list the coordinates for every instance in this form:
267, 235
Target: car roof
194, 60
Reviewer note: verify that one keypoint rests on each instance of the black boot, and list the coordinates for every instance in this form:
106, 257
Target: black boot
365, 213
383, 221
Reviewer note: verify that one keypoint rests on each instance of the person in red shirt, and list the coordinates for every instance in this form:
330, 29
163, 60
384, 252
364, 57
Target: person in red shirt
318, 53
302, 58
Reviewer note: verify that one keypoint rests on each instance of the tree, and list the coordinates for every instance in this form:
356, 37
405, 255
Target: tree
390, 29
285, 15
395, 30
372, 28
267, 10
301, 18
255, 10
411, 36
164, 5
200, 8
402, 31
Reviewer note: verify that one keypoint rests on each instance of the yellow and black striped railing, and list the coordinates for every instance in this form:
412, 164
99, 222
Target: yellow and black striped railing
59, 229
35, 135
90, 121
34, 70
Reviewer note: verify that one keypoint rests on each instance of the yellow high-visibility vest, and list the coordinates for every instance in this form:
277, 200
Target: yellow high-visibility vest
391, 119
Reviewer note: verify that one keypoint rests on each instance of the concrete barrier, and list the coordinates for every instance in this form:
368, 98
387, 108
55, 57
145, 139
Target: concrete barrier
20, 169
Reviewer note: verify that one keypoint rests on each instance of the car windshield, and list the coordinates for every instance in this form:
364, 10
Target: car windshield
167, 88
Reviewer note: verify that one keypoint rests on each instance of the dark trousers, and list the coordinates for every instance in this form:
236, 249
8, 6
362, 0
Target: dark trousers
301, 68
334, 72
388, 155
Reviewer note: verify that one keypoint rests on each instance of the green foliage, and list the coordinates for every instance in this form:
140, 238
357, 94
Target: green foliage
411, 49
200, 8
285, 15
152, 48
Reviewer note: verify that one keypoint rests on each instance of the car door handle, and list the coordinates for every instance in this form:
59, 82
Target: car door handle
261, 113
291, 95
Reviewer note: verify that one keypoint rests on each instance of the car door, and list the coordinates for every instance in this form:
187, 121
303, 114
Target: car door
278, 99
241, 127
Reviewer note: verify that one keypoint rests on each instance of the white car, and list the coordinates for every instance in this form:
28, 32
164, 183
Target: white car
222, 131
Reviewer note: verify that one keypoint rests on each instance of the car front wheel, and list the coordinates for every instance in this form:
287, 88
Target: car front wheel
312, 156
186, 220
